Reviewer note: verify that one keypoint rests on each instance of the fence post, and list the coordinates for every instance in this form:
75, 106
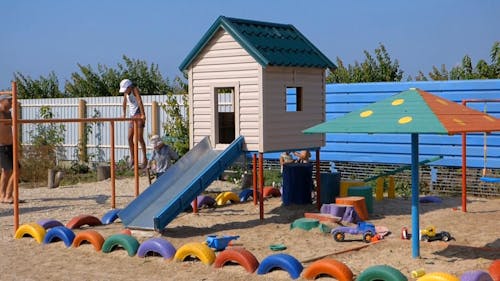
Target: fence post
82, 134
20, 127
155, 118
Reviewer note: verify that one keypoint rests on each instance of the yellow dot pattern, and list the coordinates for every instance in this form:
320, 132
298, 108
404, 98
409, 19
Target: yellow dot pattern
443, 102
365, 113
458, 121
397, 102
404, 120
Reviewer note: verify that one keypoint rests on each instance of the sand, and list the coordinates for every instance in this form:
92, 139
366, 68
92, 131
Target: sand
476, 233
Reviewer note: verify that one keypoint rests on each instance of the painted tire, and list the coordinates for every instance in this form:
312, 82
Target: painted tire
32, 229
245, 194
494, 270
330, 267
381, 272
195, 249
237, 255
438, 276
49, 223
156, 245
91, 236
81, 220
476, 275
224, 197
126, 231
204, 200
282, 261
127, 242
270, 191
59, 233
110, 216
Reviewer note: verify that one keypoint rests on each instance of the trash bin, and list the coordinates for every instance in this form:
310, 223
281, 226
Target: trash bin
297, 183
330, 187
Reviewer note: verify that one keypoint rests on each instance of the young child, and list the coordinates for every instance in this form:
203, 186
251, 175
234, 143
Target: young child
162, 157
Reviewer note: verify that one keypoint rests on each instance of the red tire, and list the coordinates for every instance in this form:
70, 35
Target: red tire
81, 220
330, 267
237, 255
494, 270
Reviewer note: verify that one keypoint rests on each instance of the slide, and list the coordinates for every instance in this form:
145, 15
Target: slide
174, 191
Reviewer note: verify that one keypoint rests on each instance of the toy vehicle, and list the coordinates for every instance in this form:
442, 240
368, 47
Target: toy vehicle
365, 228
220, 243
429, 234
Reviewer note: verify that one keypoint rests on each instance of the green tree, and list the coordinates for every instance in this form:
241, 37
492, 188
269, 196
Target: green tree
44, 87
177, 125
376, 68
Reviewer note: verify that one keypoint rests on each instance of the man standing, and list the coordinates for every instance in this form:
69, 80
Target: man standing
132, 97
6, 151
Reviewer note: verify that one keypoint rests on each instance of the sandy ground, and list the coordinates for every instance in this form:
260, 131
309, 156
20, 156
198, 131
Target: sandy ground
477, 235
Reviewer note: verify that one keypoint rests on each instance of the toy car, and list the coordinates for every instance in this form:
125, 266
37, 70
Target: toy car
429, 234
365, 228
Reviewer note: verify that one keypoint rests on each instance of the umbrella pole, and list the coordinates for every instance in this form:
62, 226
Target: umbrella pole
415, 197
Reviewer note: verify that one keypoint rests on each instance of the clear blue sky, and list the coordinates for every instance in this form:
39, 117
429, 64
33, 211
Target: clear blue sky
38, 37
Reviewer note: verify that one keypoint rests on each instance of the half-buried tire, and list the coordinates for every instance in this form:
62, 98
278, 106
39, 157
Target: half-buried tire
237, 255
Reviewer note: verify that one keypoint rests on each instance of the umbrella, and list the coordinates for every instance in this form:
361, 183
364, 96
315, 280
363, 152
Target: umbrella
411, 112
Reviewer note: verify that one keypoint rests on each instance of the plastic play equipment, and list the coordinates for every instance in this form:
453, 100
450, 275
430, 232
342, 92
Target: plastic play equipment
476, 275
364, 228
110, 216
430, 234
173, 192
238, 255
91, 236
156, 245
285, 262
438, 276
49, 223
127, 242
82, 220
381, 272
59, 233
32, 229
220, 243
328, 266
203, 200
198, 250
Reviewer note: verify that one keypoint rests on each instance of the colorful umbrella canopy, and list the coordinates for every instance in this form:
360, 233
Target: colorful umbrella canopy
411, 111
415, 112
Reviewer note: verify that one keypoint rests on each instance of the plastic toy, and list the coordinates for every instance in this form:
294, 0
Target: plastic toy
429, 234
220, 243
365, 228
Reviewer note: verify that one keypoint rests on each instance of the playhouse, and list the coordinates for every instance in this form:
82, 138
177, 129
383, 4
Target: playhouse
260, 80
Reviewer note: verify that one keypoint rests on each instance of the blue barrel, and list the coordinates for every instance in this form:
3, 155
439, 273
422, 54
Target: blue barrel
297, 183
330, 187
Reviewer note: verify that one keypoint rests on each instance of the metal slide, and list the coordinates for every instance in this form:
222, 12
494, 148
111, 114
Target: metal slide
174, 191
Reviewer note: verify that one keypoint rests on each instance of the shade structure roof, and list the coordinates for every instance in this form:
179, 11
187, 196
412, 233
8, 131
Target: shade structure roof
411, 111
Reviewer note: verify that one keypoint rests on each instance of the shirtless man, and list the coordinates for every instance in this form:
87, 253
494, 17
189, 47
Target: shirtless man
6, 184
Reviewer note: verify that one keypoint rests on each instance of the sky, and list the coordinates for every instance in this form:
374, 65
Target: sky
37, 37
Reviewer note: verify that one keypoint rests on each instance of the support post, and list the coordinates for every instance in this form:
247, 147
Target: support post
261, 185
82, 134
254, 180
15, 156
136, 157
415, 227
318, 180
155, 118
112, 164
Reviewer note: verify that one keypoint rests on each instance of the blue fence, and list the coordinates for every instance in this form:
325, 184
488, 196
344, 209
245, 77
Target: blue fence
396, 148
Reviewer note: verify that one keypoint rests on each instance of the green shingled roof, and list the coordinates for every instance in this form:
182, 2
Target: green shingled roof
270, 44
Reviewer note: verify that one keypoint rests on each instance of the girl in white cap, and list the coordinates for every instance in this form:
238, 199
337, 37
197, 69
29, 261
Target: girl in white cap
132, 97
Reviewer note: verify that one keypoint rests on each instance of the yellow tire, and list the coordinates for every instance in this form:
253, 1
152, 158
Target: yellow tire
223, 197
438, 276
32, 229
198, 250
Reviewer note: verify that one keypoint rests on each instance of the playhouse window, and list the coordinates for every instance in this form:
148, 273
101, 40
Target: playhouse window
293, 99
225, 99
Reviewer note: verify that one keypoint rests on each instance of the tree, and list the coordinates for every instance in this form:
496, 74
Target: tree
373, 69
177, 125
44, 87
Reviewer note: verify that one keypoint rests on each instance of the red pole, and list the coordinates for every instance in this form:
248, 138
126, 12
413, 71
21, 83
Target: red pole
112, 164
318, 181
464, 168
136, 158
15, 158
261, 185
254, 179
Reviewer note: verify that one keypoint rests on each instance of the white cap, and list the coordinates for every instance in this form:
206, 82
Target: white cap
124, 84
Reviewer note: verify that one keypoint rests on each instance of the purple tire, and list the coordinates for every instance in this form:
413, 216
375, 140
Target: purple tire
476, 275
204, 200
156, 245
49, 223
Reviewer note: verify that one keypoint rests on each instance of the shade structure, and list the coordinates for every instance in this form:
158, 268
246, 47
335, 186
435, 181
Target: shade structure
411, 112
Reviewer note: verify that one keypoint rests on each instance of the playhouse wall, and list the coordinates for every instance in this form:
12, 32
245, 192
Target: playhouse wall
282, 130
224, 63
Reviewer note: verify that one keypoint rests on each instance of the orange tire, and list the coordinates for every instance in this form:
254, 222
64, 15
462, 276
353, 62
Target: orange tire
237, 255
330, 267
91, 236
78, 221
494, 270
270, 191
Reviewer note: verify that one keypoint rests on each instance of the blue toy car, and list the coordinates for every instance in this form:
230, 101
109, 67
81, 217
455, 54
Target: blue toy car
365, 228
